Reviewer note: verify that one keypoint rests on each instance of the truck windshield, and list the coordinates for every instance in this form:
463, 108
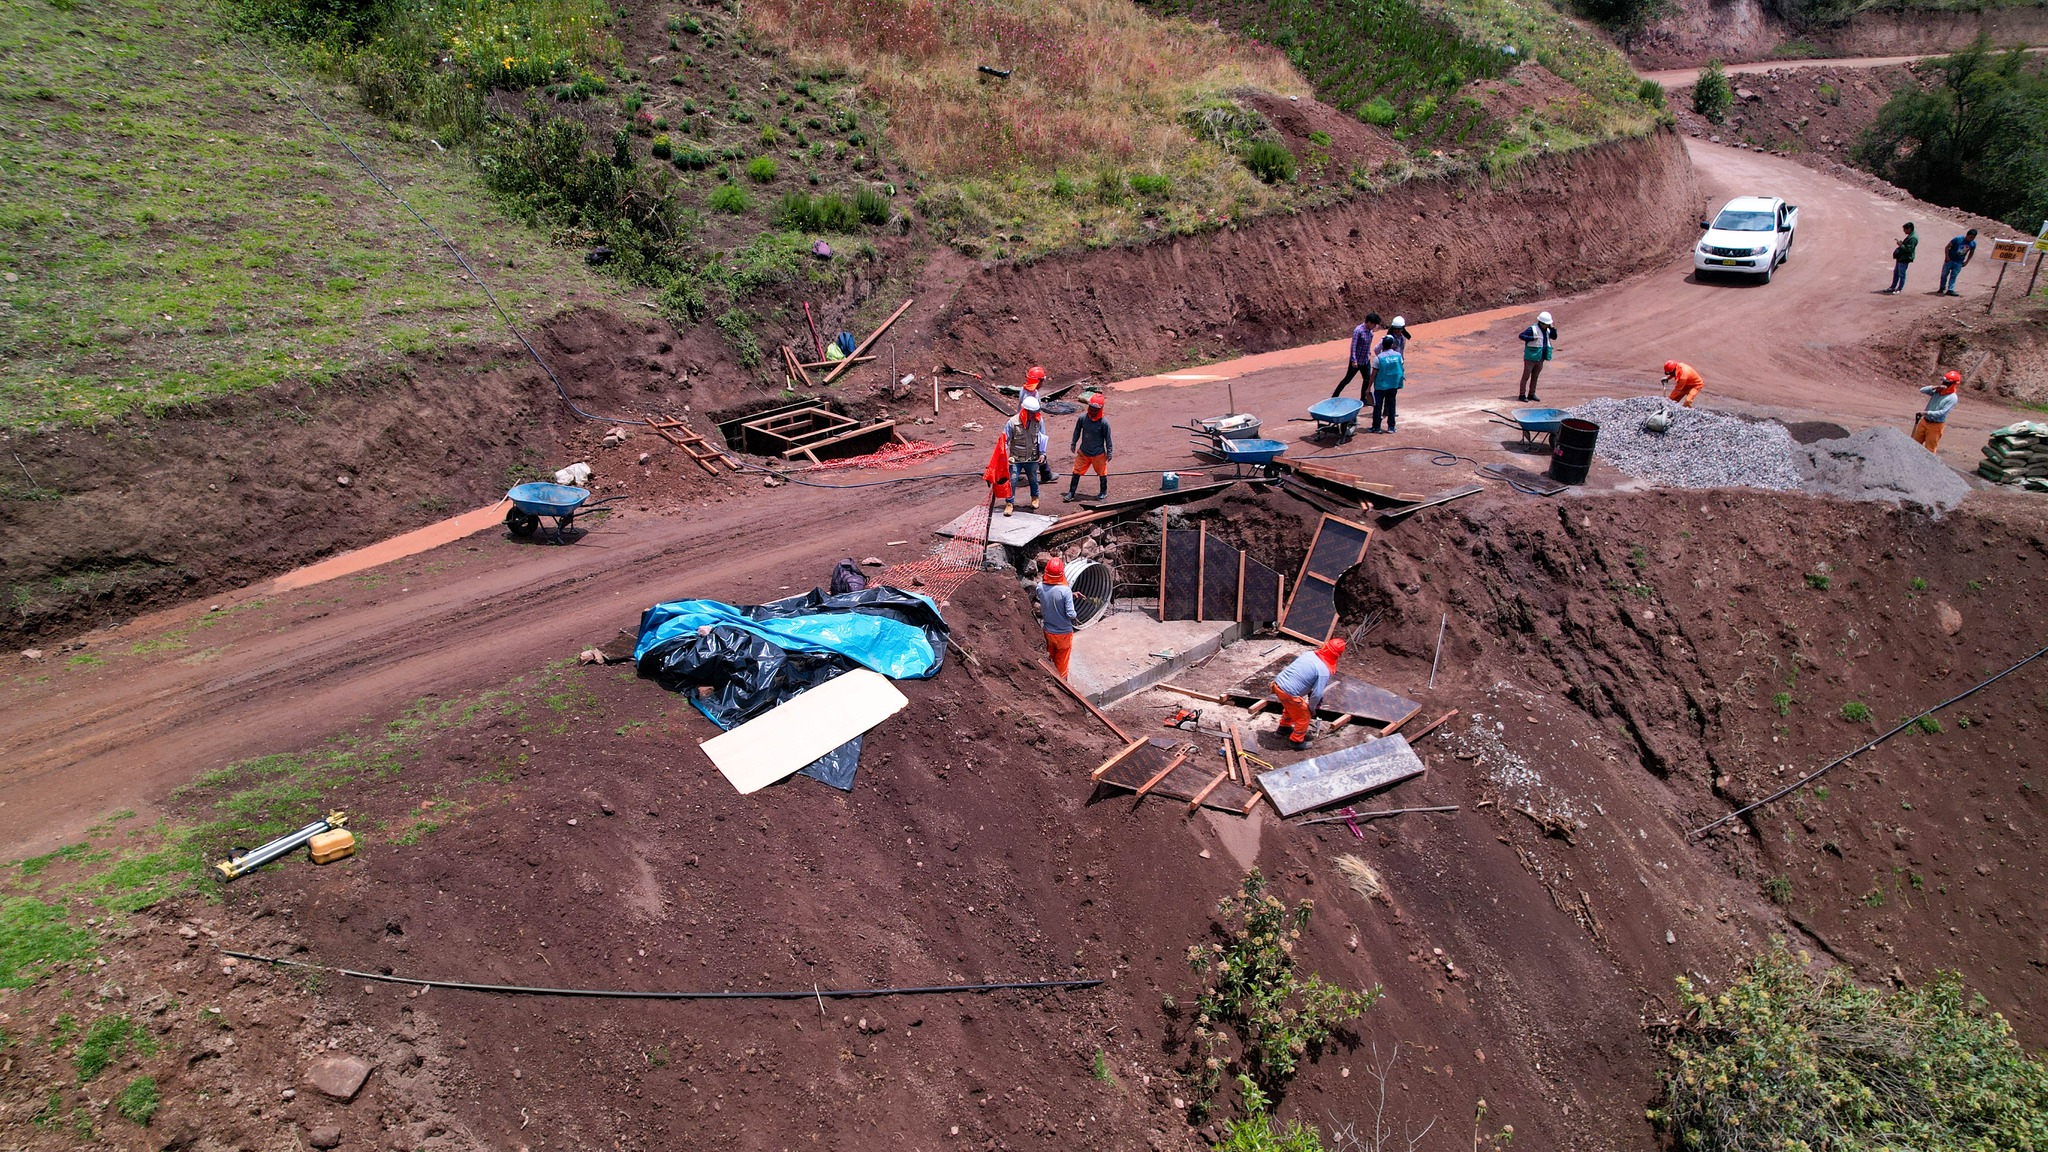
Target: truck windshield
1731, 220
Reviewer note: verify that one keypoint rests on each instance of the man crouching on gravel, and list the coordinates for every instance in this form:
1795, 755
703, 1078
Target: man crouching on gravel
1300, 687
1056, 614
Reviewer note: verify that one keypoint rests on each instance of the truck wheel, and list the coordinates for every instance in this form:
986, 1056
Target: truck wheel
1765, 276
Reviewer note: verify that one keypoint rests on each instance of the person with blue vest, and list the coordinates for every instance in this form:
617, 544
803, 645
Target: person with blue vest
1300, 687
1361, 357
1389, 368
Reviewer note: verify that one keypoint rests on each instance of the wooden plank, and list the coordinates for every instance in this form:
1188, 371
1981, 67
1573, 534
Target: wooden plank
1433, 501
1338, 545
1338, 776
1367, 701
1139, 762
1209, 696
1390, 729
1432, 726
1164, 519
1157, 497
816, 364
1177, 761
872, 337
784, 739
1110, 764
1204, 793
1201, 564
1085, 702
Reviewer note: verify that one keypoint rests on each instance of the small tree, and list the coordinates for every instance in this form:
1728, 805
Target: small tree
1251, 990
1712, 95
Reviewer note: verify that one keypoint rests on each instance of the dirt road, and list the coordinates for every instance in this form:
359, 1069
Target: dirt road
1681, 77
153, 703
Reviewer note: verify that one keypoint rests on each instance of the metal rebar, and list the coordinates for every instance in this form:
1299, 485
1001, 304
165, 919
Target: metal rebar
1445, 623
627, 994
1372, 815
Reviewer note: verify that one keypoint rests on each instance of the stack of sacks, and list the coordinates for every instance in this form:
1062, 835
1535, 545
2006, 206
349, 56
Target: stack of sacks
2015, 453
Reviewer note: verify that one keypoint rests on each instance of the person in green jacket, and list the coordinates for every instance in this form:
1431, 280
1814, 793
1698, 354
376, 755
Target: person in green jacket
1902, 259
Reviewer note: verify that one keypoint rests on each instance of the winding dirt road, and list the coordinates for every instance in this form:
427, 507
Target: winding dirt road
183, 691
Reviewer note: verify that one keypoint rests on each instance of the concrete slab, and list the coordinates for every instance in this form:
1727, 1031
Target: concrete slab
1015, 530
1113, 657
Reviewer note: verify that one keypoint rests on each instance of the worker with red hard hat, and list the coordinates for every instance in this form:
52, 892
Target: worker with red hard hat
1941, 400
1300, 687
1056, 614
1093, 449
1685, 382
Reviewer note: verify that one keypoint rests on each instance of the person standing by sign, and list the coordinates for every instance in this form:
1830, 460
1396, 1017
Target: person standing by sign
1361, 357
1685, 382
1954, 257
1537, 341
1941, 400
1902, 259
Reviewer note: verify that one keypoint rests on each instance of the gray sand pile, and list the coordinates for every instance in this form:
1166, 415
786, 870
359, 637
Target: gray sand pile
1881, 464
1702, 449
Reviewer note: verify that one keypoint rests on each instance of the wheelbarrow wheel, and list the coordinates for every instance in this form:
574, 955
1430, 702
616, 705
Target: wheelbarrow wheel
521, 523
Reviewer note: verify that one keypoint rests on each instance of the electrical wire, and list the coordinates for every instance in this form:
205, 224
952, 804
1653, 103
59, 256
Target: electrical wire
503, 314
628, 994
1803, 781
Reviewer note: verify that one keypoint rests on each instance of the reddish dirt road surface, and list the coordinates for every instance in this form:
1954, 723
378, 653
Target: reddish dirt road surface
190, 689
1680, 77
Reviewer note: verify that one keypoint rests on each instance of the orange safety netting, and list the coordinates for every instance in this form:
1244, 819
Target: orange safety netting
942, 573
901, 455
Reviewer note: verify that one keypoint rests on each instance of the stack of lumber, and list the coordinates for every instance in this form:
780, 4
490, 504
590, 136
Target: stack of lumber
2017, 453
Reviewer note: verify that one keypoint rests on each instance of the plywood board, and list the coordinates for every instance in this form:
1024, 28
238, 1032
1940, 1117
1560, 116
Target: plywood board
1260, 603
782, 740
1367, 701
1311, 614
1016, 530
1180, 575
1338, 776
1338, 545
1219, 579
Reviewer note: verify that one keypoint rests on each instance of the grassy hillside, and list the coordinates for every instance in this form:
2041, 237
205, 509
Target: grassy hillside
173, 225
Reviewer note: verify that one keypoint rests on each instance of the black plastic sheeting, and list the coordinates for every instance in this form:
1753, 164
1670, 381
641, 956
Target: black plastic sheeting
750, 674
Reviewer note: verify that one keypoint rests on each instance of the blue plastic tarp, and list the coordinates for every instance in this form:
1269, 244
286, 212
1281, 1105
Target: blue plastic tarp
897, 650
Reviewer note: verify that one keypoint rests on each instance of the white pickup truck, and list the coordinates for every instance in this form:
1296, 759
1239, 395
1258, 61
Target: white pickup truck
1751, 237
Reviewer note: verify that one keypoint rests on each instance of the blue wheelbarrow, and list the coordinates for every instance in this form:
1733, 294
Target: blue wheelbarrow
1337, 416
1239, 454
1533, 423
531, 502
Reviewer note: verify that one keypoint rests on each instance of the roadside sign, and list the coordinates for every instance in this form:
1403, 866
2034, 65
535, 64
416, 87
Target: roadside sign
2041, 241
2009, 251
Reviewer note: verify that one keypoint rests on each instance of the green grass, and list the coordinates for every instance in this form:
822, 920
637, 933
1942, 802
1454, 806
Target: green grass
138, 1102
34, 937
179, 228
109, 1039
1856, 712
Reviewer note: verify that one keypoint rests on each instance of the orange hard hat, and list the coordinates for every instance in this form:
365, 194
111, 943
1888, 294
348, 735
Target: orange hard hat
1036, 375
1056, 569
1671, 367
1953, 378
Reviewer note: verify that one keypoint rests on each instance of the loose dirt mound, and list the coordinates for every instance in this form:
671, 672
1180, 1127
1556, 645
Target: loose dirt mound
1880, 464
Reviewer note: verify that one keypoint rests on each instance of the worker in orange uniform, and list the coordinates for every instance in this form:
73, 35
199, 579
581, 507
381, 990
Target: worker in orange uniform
1941, 400
1300, 687
1684, 380
1056, 614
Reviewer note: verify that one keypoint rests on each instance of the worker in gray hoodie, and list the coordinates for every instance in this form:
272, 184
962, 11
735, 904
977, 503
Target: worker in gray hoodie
1093, 449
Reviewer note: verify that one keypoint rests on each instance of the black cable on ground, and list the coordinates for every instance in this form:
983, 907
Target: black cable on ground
1803, 781
625, 994
503, 314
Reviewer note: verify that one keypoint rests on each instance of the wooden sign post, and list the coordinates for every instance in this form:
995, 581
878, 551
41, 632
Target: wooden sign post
2007, 253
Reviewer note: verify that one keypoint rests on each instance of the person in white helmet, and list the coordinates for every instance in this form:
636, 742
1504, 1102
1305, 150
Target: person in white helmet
1538, 341
1024, 440
1396, 337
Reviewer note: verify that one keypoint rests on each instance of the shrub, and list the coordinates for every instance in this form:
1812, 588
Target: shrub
738, 329
1829, 95
1786, 1058
1712, 95
1855, 712
660, 147
731, 198
1378, 112
1819, 581
138, 1101
1251, 990
1928, 726
1269, 160
1779, 889
1255, 1132
1650, 92
1319, 139
690, 159
762, 169
804, 212
1062, 186
872, 206
1157, 187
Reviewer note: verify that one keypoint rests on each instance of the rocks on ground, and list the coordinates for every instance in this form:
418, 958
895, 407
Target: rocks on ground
1880, 464
1700, 449
339, 1077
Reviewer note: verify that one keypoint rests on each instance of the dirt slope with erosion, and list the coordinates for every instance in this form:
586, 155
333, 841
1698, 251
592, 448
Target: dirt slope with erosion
1426, 248
1618, 686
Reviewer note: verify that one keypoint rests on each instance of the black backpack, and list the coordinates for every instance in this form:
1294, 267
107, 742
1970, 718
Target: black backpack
847, 577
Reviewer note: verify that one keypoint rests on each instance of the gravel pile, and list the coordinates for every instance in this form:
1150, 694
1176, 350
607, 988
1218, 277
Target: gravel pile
1881, 464
1702, 449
